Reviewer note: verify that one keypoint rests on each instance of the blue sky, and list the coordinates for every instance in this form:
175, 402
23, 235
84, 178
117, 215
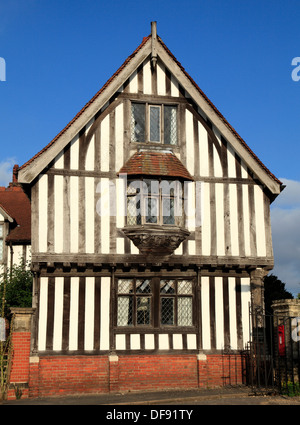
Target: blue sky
58, 54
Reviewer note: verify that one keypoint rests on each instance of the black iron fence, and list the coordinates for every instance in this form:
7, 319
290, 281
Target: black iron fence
272, 357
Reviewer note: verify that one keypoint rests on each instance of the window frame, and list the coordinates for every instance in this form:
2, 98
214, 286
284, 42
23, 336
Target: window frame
147, 122
175, 296
156, 297
160, 196
134, 295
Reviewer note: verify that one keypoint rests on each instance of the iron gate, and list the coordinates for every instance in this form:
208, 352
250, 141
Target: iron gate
273, 354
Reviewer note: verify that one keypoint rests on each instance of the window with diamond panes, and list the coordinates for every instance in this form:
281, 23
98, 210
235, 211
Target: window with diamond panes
154, 202
176, 306
155, 302
138, 122
170, 125
154, 123
134, 302
134, 203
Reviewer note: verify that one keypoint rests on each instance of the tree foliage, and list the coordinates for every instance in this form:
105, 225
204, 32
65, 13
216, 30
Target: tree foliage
274, 290
16, 288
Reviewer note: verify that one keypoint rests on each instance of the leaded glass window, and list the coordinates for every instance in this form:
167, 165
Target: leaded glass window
151, 209
138, 122
176, 306
185, 292
154, 123
134, 302
154, 202
155, 302
134, 203
170, 125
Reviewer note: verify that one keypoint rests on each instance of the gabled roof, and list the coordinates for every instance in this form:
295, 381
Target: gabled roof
35, 165
159, 164
16, 204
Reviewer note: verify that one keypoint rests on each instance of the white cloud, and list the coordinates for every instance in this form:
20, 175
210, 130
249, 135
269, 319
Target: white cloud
285, 219
290, 197
6, 170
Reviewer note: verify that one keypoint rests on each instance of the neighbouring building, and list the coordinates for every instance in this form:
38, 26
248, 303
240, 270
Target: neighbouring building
15, 226
150, 238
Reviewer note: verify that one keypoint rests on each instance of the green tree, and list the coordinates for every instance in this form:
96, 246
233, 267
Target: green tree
16, 288
274, 290
15, 291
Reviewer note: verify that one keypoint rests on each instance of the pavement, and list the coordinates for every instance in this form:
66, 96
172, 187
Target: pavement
219, 396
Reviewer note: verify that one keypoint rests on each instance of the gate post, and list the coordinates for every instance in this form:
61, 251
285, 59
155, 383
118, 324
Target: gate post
288, 347
257, 296
257, 288
286, 308
21, 337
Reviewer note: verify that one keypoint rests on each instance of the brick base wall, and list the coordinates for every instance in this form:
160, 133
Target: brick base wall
66, 375
62, 375
150, 372
19, 376
221, 370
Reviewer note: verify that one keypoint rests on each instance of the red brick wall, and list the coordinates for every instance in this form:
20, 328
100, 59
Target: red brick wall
150, 372
20, 366
220, 370
62, 375
19, 376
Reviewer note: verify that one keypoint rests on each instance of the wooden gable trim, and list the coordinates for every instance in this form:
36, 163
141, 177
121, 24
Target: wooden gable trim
28, 172
155, 47
6, 215
270, 181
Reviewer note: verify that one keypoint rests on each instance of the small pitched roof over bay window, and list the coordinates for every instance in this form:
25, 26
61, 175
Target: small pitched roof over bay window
162, 164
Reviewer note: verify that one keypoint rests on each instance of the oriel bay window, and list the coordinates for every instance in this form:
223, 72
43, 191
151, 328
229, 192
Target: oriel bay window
155, 302
154, 123
154, 202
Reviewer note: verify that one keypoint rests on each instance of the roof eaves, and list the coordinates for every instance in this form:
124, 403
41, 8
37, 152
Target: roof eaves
103, 88
219, 113
6, 214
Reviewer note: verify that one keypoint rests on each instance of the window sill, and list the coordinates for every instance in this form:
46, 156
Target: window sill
146, 329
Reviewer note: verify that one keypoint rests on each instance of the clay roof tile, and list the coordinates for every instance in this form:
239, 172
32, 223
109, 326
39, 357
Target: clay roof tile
16, 203
151, 163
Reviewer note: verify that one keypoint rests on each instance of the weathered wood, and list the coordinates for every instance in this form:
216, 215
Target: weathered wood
226, 198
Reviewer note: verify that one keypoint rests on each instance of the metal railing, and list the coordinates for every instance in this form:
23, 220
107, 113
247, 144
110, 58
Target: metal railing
273, 354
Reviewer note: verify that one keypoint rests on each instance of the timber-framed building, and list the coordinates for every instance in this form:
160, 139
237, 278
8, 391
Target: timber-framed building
150, 238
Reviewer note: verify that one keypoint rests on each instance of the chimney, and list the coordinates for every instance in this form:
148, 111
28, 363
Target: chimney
15, 173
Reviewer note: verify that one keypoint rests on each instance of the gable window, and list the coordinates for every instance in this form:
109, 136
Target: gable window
1, 242
155, 302
154, 123
154, 202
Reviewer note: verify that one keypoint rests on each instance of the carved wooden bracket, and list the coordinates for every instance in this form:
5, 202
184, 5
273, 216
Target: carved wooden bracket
156, 240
